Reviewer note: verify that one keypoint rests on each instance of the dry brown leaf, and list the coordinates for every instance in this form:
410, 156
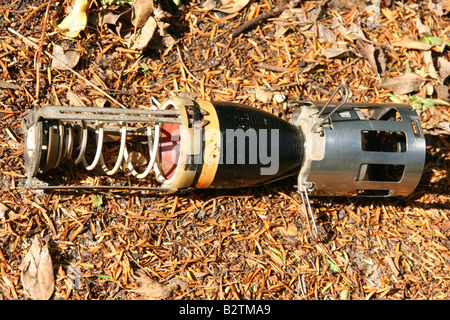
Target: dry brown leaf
325, 34
140, 12
439, 128
292, 230
445, 226
353, 30
429, 65
404, 84
138, 159
3, 210
107, 17
65, 59
263, 96
410, 43
100, 102
373, 16
234, 6
123, 25
150, 289
444, 68
74, 100
442, 92
422, 29
210, 4
347, 4
145, 34
334, 51
167, 38
381, 59
375, 56
9, 85
37, 271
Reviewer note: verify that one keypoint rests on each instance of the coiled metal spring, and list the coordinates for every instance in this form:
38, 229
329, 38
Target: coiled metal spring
123, 156
66, 132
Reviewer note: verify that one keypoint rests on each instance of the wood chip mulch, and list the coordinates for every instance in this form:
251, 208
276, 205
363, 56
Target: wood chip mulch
218, 244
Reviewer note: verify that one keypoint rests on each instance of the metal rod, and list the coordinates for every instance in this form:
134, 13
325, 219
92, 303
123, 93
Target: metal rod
116, 130
109, 110
358, 104
321, 122
306, 212
309, 213
331, 98
64, 113
98, 188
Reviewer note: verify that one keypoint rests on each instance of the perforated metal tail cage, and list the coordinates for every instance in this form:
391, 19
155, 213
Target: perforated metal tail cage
360, 150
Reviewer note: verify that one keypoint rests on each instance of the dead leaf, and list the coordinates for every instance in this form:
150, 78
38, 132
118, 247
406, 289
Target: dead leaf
428, 89
444, 68
140, 12
374, 16
123, 25
65, 59
9, 85
74, 100
421, 28
150, 289
334, 51
442, 92
404, 84
167, 38
374, 55
263, 96
381, 59
445, 226
37, 271
292, 230
100, 102
312, 15
346, 4
210, 4
107, 17
137, 158
76, 21
353, 30
3, 210
234, 6
429, 65
145, 34
439, 128
436, 8
304, 19
410, 43
289, 231
325, 34
281, 29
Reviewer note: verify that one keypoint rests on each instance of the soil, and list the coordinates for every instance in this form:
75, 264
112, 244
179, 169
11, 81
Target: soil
251, 243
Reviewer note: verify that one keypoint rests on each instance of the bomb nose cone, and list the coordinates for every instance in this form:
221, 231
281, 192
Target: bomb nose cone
256, 146
227, 145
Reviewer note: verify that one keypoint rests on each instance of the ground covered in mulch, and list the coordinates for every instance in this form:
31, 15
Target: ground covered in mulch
220, 244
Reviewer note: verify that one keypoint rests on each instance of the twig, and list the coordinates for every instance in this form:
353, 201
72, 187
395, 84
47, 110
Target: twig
184, 65
273, 68
262, 17
37, 56
343, 68
29, 42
